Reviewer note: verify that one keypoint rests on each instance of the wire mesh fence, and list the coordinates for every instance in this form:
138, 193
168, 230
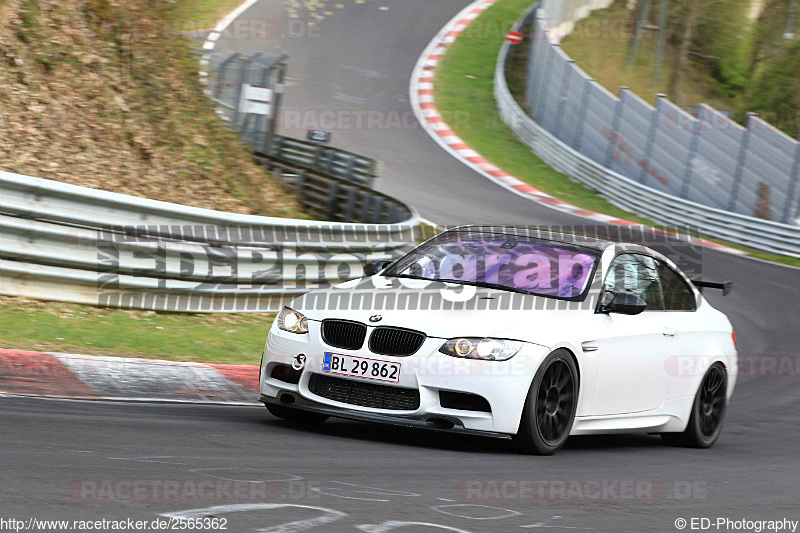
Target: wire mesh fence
247, 91
704, 157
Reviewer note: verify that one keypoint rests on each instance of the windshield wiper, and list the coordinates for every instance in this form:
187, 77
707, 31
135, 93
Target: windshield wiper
484, 284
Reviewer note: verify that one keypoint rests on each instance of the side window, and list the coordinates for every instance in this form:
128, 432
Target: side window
637, 274
678, 296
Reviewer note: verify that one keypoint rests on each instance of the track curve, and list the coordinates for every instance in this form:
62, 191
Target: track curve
351, 476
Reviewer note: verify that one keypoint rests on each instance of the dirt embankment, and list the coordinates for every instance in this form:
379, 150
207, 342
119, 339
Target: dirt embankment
105, 94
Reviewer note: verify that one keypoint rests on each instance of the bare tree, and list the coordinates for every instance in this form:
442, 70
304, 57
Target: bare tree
692, 12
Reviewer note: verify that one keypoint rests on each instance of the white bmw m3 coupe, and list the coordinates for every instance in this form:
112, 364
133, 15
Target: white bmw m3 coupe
509, 332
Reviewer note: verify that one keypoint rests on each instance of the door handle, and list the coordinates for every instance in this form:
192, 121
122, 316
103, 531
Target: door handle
669, 331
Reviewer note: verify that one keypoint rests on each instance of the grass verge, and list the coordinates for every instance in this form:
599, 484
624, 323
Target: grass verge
106, 94
206, 13
464, 97
145, 122
70, 328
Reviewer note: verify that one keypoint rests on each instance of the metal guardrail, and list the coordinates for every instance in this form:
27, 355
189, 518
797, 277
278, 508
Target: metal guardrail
631, 195
335, 198
74, 244
228, 73
704, 156
332, 161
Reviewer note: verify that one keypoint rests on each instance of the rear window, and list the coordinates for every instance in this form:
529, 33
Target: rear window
678, 296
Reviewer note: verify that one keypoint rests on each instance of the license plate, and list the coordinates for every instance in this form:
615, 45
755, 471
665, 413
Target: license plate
361, 367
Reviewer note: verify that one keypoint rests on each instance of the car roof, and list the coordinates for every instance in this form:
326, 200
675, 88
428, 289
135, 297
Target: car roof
538, 232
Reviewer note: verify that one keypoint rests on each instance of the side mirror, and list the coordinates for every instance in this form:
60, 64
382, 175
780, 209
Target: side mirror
624, 303
373, 267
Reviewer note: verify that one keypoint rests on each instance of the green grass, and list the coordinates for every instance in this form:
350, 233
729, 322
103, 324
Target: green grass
27, 31
206, 338
206, 13
464, 97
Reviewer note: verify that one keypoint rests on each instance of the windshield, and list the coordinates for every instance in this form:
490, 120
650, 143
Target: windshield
510, 262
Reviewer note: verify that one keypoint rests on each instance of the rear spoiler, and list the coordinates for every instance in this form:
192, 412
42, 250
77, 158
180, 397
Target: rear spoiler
726, 286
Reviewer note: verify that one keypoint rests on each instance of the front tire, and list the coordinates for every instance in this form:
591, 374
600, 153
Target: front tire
708, 412
549, 410
295, 415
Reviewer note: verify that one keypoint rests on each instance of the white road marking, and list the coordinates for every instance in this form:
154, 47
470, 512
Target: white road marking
149, 459
375, 491
507, 513
557, 527
331, 515
395, 524
204, 472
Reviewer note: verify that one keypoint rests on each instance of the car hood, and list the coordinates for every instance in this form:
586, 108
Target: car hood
438, 309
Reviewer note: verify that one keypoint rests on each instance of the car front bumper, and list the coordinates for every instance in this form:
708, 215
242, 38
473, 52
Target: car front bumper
432, 422
503, 384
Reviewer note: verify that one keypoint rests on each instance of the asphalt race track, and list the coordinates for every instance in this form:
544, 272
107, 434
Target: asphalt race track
72, 459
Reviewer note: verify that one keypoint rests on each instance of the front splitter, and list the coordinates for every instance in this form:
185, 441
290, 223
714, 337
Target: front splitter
305, 404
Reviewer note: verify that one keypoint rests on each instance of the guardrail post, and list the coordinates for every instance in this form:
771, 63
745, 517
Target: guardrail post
563, 96
377, 208
614, 126
301, 185
367, 200
276, 104
542, 92
242, 77
534, 52
325, 160
221, 74
737, 176
374, 169
587, 88
791, 202
277, 146
348, 169
318, 157
332, 193
262, 122
687, 169
655, 117
351, 202
392, 214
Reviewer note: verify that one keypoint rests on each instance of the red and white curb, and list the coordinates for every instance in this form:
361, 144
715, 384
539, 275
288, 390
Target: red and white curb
59, 375
421, 92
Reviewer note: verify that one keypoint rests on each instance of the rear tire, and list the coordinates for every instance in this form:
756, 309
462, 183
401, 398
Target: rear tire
550, 406
708, 412
295, 415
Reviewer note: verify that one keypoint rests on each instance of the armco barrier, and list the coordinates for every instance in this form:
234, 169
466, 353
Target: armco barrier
335, 198
630, 195
225, 78
704, 157
67, 243
332, 161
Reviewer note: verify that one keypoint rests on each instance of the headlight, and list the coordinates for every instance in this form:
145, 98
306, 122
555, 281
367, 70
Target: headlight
478, 348
292, 321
